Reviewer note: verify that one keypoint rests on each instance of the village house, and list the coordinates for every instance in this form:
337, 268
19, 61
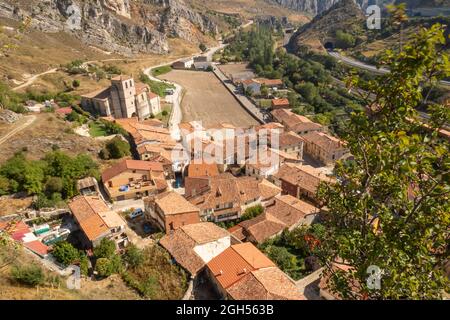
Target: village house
194, 245
286, 212
197, 177
202, 65
300, 180
254, 85
134, 179
123, 99
291, 143
201, 59
170, 211
88, 186
238, 77
263, 164
293, 122
169, 155
281, 103
242, 272
97, 222
225, 197
324, 147
183, 64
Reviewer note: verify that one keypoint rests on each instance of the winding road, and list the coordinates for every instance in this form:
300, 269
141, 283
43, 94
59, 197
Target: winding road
32, 79
355, 63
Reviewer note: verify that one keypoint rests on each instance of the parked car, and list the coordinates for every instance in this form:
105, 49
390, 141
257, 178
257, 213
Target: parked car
136, 213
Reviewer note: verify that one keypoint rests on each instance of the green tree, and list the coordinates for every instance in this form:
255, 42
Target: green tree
31, 275
65, 253
390, 206
106, 249
285, 260
344, 40
54, 184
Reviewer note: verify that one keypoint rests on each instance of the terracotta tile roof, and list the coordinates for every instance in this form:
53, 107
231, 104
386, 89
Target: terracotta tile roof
203, 169
236, 262
152, 95
141, 87
280, 102
265, 284
269, 82
37, 247
268, 190
270, 126
262, 227
86, 183
181, 243
294, 121
181, 247
128, 164
290, 210
102, 94
86, 211
324, 141
65, 111
172, 202
287, 139
305, 177
204, 232
225, 188
238, 232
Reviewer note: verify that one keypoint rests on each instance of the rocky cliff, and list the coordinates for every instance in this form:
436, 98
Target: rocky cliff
315, 7
121, 26
345, 15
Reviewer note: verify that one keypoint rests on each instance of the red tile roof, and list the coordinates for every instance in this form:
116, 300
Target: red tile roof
280, 102
130, 165
37, 247
237, 261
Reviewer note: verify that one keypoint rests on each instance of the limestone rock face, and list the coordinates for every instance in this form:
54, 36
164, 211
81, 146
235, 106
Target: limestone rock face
120, 26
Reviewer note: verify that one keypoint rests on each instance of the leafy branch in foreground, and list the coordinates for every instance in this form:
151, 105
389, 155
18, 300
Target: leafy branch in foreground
391, 206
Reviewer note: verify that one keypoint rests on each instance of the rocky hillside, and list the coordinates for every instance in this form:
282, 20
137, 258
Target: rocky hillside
345, 15
315, 7
120, 26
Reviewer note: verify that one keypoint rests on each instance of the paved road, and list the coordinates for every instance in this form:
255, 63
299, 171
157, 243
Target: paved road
359, 64
29, 120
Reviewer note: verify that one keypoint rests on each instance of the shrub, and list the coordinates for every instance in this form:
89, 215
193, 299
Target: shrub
134, 256
106, 249
116, 149
65, 253
164, 113
31, 275
103, 267
76, 83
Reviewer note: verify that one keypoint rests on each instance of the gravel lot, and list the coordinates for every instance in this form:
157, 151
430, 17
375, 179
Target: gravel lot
206, 99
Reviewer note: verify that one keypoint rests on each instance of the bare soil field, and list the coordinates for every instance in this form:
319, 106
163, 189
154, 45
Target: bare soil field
232, 68
207, 100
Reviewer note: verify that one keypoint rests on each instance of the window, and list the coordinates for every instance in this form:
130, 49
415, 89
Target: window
126, 85
110, 184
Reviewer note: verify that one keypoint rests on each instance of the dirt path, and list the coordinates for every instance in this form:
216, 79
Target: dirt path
29, 120
32, 79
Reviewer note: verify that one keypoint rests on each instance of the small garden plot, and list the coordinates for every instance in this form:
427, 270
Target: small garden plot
156, 277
